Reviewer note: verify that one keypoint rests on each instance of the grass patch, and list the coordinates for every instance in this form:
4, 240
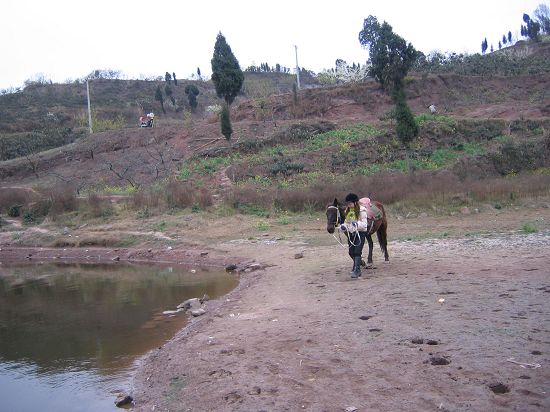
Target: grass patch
361, 131
528, 228
262, 226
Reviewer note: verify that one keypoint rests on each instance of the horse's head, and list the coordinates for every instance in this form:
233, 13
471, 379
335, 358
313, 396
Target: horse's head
335, 216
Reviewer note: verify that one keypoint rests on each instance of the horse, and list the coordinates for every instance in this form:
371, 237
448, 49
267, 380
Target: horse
336, 215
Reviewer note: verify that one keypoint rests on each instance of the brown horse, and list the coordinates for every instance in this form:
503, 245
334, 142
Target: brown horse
336, 215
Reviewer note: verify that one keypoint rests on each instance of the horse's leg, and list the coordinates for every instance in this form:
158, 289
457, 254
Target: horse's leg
369, 241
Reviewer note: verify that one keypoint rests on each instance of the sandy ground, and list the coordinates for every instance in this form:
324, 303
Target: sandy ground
457, 324
460, 322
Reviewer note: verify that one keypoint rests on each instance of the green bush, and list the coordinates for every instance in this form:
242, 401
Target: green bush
14, 211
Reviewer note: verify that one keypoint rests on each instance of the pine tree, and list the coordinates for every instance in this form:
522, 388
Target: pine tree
510, 37
391, 58
225, 121
168, 93
228, 79
159, 98
168, 77
227, 76
192, 92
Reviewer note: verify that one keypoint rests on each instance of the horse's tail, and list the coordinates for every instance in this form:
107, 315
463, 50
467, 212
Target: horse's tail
382, 232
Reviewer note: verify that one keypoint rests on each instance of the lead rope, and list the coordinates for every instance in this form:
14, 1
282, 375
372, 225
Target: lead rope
339, 239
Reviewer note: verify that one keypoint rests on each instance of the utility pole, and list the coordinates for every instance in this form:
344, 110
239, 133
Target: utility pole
89, 107
297, 68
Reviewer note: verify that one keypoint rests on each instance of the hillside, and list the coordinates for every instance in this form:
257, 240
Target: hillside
486, 127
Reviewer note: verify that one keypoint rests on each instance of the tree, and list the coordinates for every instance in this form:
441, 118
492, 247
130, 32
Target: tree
168, 77
168, 93
504, 40
391, 58
199, 72
510, 37
227, 76
499, 45
484, 46
532, 28
406, 127
225, 121
175, 80
159, 98
542, 13
390, 55
192, 92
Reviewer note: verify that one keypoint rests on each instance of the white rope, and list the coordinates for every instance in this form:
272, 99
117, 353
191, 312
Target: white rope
349, 237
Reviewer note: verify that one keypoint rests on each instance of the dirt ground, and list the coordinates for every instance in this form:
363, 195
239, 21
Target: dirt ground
458, 321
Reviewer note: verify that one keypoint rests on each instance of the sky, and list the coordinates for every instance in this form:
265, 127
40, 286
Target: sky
64, 40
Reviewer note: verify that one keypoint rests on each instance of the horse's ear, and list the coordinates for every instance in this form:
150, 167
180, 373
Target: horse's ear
335, 202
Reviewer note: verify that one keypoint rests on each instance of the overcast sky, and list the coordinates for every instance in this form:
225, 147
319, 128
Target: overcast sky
67, 39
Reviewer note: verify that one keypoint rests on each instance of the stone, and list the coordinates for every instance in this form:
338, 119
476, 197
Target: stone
193, 303
124, 401
198, 312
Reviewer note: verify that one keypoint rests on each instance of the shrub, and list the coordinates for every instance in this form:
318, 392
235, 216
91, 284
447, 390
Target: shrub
63, 199
36, 212
98, 206
14, 211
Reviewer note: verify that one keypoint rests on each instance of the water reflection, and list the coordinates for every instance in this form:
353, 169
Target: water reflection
71, 327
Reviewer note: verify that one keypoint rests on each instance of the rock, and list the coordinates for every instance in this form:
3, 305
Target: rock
231, 267
149, 250
205, 298
198, 312
66, 230
193, 303
299, 255
125, 401
465, 210
170, 312
204, 253
255, 266
116, 258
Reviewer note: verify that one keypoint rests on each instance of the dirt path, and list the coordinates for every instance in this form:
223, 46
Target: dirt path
452, 325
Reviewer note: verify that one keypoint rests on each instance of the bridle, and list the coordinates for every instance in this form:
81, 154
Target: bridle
338, 216
336, 222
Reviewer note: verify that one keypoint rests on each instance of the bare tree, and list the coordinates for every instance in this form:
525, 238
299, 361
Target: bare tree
161, 153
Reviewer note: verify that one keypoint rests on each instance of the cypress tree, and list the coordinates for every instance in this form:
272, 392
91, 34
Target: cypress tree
225, 122
227, 76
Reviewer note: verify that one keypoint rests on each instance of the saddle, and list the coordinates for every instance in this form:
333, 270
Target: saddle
373, 213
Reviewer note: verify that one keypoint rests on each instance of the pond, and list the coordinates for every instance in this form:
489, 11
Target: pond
70, 334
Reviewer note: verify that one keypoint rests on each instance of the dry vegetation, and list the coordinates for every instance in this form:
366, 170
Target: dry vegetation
489, 145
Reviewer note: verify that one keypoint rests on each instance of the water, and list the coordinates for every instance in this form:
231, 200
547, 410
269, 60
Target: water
70, 333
